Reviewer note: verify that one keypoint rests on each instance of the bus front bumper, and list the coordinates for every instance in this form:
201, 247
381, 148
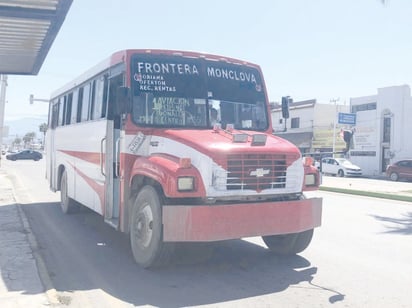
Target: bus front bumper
204, 223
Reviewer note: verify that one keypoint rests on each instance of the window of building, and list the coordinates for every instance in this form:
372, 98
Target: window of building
363, 107
386, 130
294, 123
280, 121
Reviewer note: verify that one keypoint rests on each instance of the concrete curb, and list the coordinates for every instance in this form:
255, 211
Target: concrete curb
49, 290
389, 196
44, 276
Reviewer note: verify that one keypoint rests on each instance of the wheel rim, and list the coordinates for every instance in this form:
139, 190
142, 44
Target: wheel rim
394, 176
144, 226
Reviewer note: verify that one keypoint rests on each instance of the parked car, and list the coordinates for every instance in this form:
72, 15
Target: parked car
400, 170
25, 154
340, 167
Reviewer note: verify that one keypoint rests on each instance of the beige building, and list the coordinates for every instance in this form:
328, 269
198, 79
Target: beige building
310, 125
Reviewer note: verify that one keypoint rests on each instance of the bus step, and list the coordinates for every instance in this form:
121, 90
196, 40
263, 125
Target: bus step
114, 222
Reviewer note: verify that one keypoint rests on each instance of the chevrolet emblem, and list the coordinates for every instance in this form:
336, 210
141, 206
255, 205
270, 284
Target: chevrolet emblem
259, 172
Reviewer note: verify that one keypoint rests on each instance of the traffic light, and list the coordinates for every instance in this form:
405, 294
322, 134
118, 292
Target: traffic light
347, 137
286, 100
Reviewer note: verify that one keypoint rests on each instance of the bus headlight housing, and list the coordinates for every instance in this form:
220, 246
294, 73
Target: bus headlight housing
310, 179
185, 183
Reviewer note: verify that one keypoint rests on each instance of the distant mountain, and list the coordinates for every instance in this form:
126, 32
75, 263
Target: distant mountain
22, 126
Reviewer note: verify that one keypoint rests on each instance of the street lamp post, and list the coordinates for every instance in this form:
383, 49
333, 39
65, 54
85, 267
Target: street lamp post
32, 99
334, 100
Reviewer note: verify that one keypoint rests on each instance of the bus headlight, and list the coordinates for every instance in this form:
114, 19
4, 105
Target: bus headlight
185, 183
310, 180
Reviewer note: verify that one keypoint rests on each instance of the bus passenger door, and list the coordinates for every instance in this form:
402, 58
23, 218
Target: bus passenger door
49, 146
111, 165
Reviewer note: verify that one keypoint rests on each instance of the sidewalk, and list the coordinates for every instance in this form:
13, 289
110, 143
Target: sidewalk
371, 187
20, 284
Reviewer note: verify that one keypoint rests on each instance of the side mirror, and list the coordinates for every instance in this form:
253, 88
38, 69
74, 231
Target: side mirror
122, 100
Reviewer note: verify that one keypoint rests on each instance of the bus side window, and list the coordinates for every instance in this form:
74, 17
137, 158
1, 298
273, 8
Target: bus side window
55, 115
105, 96
61, 112
99, 98
79, 106
69, 99
75, 96
113, 84
85, 103
92, 100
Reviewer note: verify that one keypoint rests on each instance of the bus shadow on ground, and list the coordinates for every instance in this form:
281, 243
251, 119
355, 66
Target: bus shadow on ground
82, 252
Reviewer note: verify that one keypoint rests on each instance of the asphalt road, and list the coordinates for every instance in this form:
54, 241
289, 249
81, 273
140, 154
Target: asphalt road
360, 257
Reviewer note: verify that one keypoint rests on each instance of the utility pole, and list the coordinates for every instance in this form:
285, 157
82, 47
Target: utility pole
334, 100
3, 82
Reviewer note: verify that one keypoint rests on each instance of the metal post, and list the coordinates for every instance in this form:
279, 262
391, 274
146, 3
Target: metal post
2, 106
334, 100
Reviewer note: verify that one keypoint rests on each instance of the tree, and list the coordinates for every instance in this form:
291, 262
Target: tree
16, 142
28, 138
43, 128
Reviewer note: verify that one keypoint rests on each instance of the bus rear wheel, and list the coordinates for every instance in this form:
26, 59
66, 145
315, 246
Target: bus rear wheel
67, 204
146, 241
288, 244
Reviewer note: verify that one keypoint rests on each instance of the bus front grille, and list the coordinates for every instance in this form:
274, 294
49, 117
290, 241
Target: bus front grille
256, 171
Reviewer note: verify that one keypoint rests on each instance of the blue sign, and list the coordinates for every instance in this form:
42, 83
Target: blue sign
347, 118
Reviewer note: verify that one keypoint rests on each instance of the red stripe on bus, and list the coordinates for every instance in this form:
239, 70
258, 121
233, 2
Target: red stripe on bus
91, 157
99, 189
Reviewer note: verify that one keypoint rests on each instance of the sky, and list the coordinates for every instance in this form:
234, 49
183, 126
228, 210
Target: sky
319, 49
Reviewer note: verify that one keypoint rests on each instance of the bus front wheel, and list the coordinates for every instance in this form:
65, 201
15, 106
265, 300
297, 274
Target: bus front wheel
67, 204
289, 244
147, 245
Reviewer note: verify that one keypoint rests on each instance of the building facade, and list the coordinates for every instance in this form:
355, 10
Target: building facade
311, 126
381, 134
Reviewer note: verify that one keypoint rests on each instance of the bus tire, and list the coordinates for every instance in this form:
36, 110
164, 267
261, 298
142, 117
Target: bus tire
67, 204
146, 241
288, 244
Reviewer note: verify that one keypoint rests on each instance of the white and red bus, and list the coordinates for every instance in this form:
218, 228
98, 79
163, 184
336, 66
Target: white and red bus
174, 146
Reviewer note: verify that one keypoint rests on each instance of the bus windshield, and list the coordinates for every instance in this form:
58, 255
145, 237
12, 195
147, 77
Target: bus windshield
178, 92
